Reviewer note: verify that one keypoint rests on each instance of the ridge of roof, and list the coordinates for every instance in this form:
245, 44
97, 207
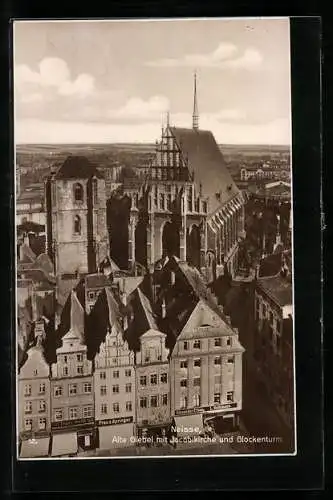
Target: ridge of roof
77, 167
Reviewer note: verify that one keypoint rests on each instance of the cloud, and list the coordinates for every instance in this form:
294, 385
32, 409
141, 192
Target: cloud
53, 74
226, 55
138, 109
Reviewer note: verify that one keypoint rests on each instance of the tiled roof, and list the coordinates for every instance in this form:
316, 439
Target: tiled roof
277, 288
207, 163
77, 167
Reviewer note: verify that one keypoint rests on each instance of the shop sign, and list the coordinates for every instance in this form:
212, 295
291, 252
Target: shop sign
194, 411
72, 423
115, 421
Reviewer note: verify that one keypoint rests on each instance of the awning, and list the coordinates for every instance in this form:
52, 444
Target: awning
33, 448
116, 436
64, 444
187, 423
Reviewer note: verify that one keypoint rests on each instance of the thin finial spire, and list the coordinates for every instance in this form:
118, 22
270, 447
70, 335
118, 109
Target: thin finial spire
195, 117
168, 119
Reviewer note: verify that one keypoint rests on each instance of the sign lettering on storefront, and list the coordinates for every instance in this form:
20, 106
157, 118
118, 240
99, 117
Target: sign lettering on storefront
195, 411
115, 421
71, 423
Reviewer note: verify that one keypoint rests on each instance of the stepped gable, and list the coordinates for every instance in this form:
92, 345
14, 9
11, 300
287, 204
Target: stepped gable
206, 161
77, 167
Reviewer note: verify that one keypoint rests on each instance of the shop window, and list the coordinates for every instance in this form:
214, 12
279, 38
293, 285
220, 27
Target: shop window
87, 388
128, 405
78, 192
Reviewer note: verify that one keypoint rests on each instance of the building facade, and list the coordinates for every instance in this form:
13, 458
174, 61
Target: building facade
115, 391
72, 397
152, 386
34, 422
206, 371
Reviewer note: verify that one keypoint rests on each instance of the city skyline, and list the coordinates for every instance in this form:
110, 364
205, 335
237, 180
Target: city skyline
71, 86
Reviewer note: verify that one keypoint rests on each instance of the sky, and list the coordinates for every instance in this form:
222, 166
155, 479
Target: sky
115, 81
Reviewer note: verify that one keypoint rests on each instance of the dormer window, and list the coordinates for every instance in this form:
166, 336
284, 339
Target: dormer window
78, 192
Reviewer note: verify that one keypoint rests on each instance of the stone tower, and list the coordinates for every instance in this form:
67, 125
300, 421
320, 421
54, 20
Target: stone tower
77, 239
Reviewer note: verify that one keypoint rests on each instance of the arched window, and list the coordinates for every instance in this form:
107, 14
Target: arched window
77, 224
78, 192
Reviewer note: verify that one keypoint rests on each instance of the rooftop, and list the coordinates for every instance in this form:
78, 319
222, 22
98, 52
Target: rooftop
207, 163
77, 167
277, 288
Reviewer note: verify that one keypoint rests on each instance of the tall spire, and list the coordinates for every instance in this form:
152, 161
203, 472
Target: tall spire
195, 117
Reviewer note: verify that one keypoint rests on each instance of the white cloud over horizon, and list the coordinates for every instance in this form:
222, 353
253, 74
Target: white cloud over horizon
226, 55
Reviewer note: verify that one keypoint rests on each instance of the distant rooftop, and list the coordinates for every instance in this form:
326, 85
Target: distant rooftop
277, 288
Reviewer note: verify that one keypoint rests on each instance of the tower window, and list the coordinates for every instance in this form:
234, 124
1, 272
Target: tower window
77, 224
78, 192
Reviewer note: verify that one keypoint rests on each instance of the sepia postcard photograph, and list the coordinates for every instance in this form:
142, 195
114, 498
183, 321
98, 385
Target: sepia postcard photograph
154, 239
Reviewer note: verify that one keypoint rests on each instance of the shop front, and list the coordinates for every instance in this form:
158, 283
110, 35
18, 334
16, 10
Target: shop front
222, 419
188, 423
72, 437
153, 434
35, 447
115, 433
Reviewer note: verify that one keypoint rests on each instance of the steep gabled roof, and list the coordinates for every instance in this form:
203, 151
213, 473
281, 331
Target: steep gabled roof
77, 167
207, 163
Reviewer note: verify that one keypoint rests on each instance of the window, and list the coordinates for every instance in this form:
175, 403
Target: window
164, 378
87, 411
116, 374
115, 389
183, 364
42, 423
116, 407
80, 370
42, 406
143, 402
128, 388
196, 400
153, 401
72, 413
196, 381
197, 362
217, 361
57, 415
128, 373
196, 344
204, 206
77, 224
28, 407
79, 357
128, 405
162, 201
104, 409
185, 346
65, 359
230, 395
217, 397
27, 390
228, 341
143, 380
65, 371
183, 382
72, 389
183, 402
164, 399
169, 202
217, 342
78, 192
102, 375
230, 360
103, 390
35, 373
87, 388
153, 379
28, 424
42, 388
